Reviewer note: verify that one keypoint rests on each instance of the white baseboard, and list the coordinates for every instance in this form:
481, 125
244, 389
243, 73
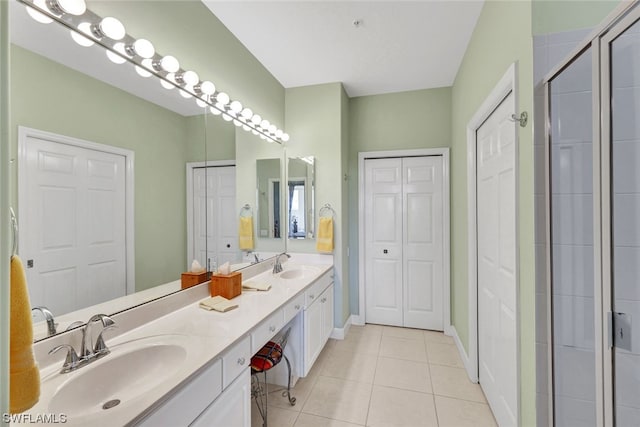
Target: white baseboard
451, 331
357, 320
340, 333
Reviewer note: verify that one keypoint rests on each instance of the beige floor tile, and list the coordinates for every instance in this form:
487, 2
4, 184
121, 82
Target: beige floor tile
406, 333
401, 348
462, 413
339, 399
435, 336
360, 343
308, 420
300, 391
453, 382
404, 374
275, 416
444, 354
350, 366
393, 407
369, 329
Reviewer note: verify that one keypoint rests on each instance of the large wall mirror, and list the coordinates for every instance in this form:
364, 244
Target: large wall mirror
269, 198
300, 193
100, 190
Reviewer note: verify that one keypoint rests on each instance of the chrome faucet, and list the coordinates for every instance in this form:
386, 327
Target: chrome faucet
89, 352
48, 316
256, 259
277, 267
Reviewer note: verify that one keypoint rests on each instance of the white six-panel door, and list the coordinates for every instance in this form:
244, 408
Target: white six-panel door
72, 206
496, 225
404, 241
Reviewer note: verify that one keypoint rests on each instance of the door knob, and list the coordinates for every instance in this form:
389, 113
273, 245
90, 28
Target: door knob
384, 251
228, 245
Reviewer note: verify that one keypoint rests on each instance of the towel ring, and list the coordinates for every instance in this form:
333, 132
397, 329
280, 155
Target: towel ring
325, 210
14, 226
246, 211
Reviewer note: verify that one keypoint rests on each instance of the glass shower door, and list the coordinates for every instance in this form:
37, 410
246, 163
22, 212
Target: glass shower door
624, 145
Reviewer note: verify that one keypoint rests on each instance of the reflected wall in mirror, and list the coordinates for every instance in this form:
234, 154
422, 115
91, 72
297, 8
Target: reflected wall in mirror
269, 198
81, 247
300, 194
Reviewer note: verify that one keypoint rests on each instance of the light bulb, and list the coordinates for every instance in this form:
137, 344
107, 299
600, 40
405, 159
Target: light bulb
227, 117
165, 84
279, 133
246, 127
215, 111
247, 113
253, 131
115, 58
185, 94
285, 137
142, 71
262, 136
264, 124
256, 119
141, 47
201, 102
73, 7
222, 98
207, 87
190, 78
237, 122
37, 15
111, 28
79, 37
170, 64
236, 106
273, 129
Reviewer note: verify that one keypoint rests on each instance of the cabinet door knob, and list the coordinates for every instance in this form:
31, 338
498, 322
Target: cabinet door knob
312, 296
228, 245
297, 307
323, 300
272, 328
241, 361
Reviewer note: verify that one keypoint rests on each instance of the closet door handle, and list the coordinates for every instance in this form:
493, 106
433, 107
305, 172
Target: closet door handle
228, 245
385, 251
241, 361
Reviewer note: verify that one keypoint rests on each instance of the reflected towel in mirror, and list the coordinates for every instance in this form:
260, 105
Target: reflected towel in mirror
245, 233
23, 372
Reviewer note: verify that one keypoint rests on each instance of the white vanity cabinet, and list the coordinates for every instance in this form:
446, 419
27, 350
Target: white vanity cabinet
232, 408
318, 319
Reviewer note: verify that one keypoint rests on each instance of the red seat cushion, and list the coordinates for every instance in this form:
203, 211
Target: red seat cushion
267, 357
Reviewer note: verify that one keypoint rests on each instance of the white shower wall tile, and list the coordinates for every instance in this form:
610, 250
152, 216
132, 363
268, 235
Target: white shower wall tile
573, 270
626, 226
579, 79
569, 112
574, 412
626, 174
626, 416
572, 37
572, 167
626, 107
626, 272
625, 56
627, 378
574, 324
575, 374
572, 219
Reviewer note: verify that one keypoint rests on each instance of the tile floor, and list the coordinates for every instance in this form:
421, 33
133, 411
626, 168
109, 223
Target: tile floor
383, 376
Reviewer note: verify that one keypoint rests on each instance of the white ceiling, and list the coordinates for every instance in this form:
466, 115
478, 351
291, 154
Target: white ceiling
398, 46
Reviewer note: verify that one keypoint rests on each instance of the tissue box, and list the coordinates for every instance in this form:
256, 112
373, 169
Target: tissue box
191, 279
226, 285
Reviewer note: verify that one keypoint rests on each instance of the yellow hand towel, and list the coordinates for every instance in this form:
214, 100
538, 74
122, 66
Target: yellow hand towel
23, 372
324, 241
246, 232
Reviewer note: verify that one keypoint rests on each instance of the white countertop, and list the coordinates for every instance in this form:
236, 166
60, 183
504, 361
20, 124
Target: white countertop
205, 334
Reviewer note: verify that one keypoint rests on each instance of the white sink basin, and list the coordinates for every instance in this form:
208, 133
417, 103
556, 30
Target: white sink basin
131, 370
299, 272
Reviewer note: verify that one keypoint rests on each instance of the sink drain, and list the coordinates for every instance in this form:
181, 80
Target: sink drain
111, 404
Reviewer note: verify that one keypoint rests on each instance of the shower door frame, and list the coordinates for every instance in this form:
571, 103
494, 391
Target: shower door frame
599, 42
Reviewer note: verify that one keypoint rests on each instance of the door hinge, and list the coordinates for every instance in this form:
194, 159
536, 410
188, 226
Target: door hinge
619, 326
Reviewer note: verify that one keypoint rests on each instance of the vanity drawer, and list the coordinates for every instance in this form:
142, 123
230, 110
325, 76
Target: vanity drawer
235, 360
266, 330
318, 287
293, 307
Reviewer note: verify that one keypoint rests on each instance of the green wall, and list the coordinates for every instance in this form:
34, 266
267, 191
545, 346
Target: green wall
552, 16
316, 124
396, 121
488, 56
5, 233
54, 98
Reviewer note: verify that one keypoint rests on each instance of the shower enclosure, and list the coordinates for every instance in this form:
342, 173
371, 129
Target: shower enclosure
592, 158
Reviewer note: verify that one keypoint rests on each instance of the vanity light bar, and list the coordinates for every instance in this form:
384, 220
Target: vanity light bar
88, 28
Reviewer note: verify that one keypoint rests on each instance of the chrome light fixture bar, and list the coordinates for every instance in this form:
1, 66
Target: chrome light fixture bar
88, 28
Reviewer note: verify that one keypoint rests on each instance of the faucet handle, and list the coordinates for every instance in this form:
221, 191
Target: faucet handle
100, 349
71, 361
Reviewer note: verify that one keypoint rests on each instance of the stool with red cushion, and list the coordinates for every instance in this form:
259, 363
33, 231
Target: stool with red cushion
266, 358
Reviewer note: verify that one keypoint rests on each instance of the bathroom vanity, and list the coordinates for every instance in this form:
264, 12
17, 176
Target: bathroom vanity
191, 366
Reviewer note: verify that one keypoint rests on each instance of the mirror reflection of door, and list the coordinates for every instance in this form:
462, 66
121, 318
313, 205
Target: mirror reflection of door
297, 208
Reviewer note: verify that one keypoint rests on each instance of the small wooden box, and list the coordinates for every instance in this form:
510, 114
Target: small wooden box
191, 279
226, 285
